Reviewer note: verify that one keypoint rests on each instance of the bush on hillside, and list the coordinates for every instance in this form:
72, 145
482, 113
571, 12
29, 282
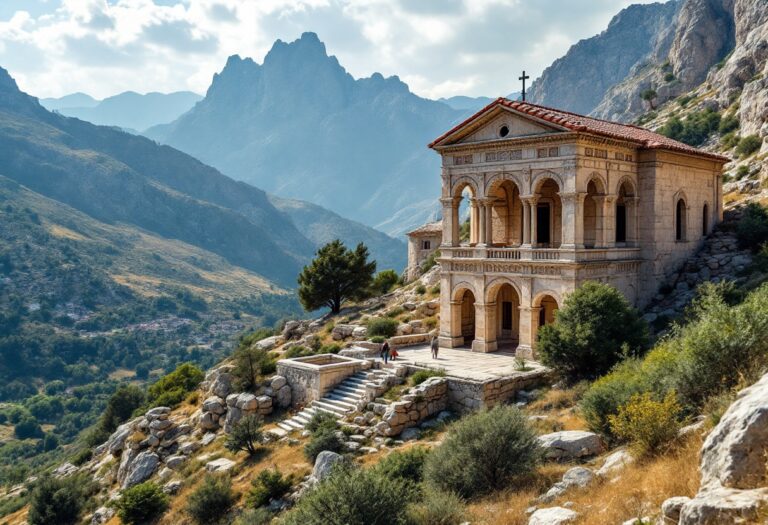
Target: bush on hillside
407, 464
246, 435
353, 496
260, 516
268, 485
484, 452
594, 330
752, 229
728, 123
382, 326
323, 439
59, 501
322, 420
141, 504
121, 406
437, 508
695, 129
384, 281
748, 145
211, 500
171, 389
649, 425
250, 363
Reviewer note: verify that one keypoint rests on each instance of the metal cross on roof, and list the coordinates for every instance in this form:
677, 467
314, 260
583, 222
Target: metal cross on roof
524, 78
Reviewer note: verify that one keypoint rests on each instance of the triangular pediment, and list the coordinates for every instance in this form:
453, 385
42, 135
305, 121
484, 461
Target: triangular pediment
487, 125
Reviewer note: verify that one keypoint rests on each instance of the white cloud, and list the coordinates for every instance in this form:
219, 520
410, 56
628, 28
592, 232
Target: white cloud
440, 47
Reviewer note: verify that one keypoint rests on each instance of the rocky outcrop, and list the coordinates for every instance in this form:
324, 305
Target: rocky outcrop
141, 468
552, 516
734, 479
324, 464
575, 477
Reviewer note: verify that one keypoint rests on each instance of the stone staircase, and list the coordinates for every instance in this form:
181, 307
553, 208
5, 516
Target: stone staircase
345, 399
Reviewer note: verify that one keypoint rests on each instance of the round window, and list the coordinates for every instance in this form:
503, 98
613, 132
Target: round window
504, 131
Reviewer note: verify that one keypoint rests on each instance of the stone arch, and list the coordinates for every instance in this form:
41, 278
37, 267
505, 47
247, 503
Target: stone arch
468, 230
546, 303
503, 300
463, 182
498, 178
505, 212
541, 177
625, 212
599, 181
592, 211
626, 182
463, 322
492, 288
459, 289
547, 212
543, 293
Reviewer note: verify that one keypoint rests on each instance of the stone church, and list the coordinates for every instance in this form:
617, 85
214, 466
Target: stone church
553, 199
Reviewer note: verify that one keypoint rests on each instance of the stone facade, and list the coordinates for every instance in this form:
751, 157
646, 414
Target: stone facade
422, 242
554, 200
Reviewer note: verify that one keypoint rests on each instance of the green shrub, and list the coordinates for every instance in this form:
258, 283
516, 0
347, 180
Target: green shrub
484, 452
728, 123
141, 504
246, 435
695, 129
394, 312
260, 516
59, 501
297, 351
211, 500
81, 457
28, 428
435, 289
752, 229
407, 465
332, 348
171, 389
437, 508
432, 258
595, 329
323, 439
422, 375
354, 496
649, 425
748, 145
730, 140
250, 362
383, 327
669, 77
268, 485
378, 339
322, 420
421, 289
683, 100
384, 281
742, 171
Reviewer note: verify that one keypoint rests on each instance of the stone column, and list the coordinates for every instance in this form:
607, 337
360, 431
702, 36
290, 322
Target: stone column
526, 224
473, 220
609, 221
489, 221
572, 221
482, 229
632, 207
485, 328
718, 198
450, 325
450, 221
525, 345
533, 201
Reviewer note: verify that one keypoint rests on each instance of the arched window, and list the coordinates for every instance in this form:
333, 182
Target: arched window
680, 220
705, 221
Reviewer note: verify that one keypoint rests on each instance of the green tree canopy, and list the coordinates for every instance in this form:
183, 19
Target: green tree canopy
592, 331
335, 275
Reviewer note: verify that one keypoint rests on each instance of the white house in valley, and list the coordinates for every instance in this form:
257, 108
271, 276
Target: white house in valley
555, 199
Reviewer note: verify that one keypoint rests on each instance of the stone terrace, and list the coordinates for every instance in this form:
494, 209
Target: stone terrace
464, 364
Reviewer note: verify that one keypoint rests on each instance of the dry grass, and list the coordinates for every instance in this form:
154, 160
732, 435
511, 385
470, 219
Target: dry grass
638, 491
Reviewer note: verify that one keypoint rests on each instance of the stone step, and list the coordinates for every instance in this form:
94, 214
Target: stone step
293, 424
343, 401
348, 407
350, 390
285, 426
322, 405
354, 381
303, 418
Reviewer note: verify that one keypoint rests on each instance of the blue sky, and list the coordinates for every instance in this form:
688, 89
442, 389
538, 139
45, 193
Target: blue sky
439, 47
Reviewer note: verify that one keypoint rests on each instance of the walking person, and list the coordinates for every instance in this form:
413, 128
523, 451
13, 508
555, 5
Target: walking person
435, 346
385, 352
393, 354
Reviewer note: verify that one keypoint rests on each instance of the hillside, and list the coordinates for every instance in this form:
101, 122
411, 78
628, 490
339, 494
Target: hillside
128, 110
300, 126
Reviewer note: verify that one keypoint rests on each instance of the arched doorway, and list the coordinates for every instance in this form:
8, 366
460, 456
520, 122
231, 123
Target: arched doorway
624, 214
547, 307
466, 213
468, 316
593, 214
506, 214
548, 215
507, 316
705, 220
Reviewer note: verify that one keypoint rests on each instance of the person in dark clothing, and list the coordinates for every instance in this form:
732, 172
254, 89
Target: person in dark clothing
385, 352
435, 346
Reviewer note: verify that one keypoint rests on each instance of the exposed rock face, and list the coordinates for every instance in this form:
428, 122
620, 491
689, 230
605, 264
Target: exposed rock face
552, 516
615, 462
324, 464
734, 480
141, 468
579, 80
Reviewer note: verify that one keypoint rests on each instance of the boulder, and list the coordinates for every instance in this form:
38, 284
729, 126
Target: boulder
157, 413
220, 382
116, 441
215, 404
615, 462
552, 516
102, 515
64, 470
733, 455
220, 465
410, 434
721, 506
283, 397
172, 487
324, 464
569, 444
277, 382
269, 343
671, 508
578, 477
207, 439
175, 462
209, 421
360, 332
141, 468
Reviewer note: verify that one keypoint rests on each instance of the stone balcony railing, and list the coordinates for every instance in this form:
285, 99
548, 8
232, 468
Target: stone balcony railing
518, 253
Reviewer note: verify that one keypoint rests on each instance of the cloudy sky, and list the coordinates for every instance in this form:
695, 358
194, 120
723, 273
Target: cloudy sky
439, 47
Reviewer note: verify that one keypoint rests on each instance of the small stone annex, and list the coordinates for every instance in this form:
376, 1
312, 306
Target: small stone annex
422, 242
555, 199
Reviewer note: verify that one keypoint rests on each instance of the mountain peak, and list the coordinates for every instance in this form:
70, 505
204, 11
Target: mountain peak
11, 97
308, 47
7, 83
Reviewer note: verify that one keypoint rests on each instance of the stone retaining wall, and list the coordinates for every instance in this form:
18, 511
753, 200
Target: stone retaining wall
400, 341
310, 378
465, 395
423, 401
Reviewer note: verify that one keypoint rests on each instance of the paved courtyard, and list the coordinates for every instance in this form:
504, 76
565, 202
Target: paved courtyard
463, 363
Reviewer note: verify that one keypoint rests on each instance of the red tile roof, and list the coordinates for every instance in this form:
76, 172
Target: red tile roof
581, 123
429, 228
